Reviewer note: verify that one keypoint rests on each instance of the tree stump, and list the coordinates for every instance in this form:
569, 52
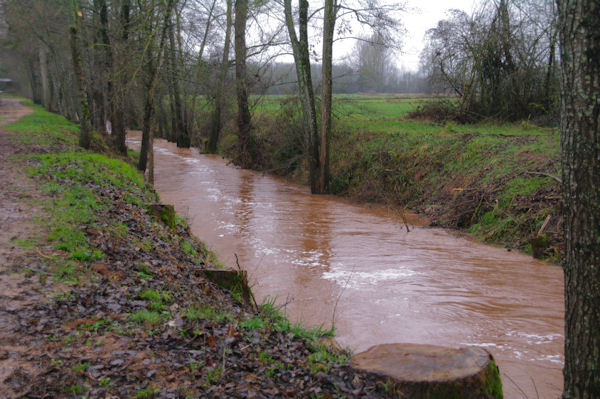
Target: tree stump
427, 371
235, 281
164, 213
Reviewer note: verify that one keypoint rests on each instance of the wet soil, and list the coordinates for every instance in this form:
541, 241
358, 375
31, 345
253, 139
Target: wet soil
75, 339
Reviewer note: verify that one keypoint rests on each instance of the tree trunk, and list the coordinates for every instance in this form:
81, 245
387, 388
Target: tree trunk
181, 137
550, 73
152, 68
200, 63
85, 124
172, 135
307, 96
580, 141
106, 83
34, 83
183, 88
241, 81
326, 94
117, 91
44, 77
150, 174
215, 126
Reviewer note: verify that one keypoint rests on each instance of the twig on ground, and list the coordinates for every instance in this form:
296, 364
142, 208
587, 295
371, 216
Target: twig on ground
558, 179
42, 255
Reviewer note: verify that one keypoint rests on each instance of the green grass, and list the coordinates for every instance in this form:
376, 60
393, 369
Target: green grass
80, 368
322, 359
205, 312
146, 317
147, 393
158, 300
73, 203
271, 318
44, 128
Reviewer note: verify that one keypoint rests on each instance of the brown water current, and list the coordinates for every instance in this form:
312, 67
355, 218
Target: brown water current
328, 259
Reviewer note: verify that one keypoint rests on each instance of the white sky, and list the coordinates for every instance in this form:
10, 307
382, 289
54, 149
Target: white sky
421, 15
424, 15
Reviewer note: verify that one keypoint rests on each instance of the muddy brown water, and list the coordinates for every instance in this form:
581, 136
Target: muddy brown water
326, 258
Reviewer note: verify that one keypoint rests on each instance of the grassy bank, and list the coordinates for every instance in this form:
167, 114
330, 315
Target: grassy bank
124, 306
497, 181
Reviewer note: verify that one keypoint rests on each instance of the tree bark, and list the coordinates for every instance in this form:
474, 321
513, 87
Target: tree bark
307, 96
241, 81
153, 67
44, 77
118, 91
85, 123
215, 127
326, 94
580, 142
182, 137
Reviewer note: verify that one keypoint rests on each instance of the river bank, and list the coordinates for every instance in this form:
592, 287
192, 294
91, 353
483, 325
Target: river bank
330, 260
102, 298
499, 182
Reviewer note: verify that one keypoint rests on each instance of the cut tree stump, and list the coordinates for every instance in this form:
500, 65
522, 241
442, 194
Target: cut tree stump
427, 371
232, 280
164, 213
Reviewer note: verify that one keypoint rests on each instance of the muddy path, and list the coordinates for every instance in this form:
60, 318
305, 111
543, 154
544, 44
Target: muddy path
11, 110
18, 291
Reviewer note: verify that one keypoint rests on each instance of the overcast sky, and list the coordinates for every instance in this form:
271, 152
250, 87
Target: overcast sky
424, 15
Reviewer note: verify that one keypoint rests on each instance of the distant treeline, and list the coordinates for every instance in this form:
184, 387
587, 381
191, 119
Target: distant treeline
280, 78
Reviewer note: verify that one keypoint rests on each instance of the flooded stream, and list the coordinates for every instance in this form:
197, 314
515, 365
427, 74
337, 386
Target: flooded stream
328, 259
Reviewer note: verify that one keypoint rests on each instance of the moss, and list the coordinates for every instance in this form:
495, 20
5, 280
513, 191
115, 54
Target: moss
493, 388
487, 385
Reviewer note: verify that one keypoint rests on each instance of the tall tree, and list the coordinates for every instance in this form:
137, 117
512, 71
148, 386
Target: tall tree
85, 123
241, 81
329, 17
178, 124
215, 127
307, 96
118, 89
580, 141
152, 66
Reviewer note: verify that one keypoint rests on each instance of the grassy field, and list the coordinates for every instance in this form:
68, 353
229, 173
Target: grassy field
499, 181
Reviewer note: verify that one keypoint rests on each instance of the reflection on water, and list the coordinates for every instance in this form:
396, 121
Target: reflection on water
327, 259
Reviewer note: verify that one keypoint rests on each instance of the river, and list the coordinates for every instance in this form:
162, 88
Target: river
326, 259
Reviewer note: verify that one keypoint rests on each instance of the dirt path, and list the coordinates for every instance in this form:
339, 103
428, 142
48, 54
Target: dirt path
18, 292
11, 110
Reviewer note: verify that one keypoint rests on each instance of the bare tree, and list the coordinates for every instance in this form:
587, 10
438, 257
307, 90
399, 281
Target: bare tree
329, 17
500, 60
241, 82
368, 14
307, 97
85, 125
152, 66
216, 124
